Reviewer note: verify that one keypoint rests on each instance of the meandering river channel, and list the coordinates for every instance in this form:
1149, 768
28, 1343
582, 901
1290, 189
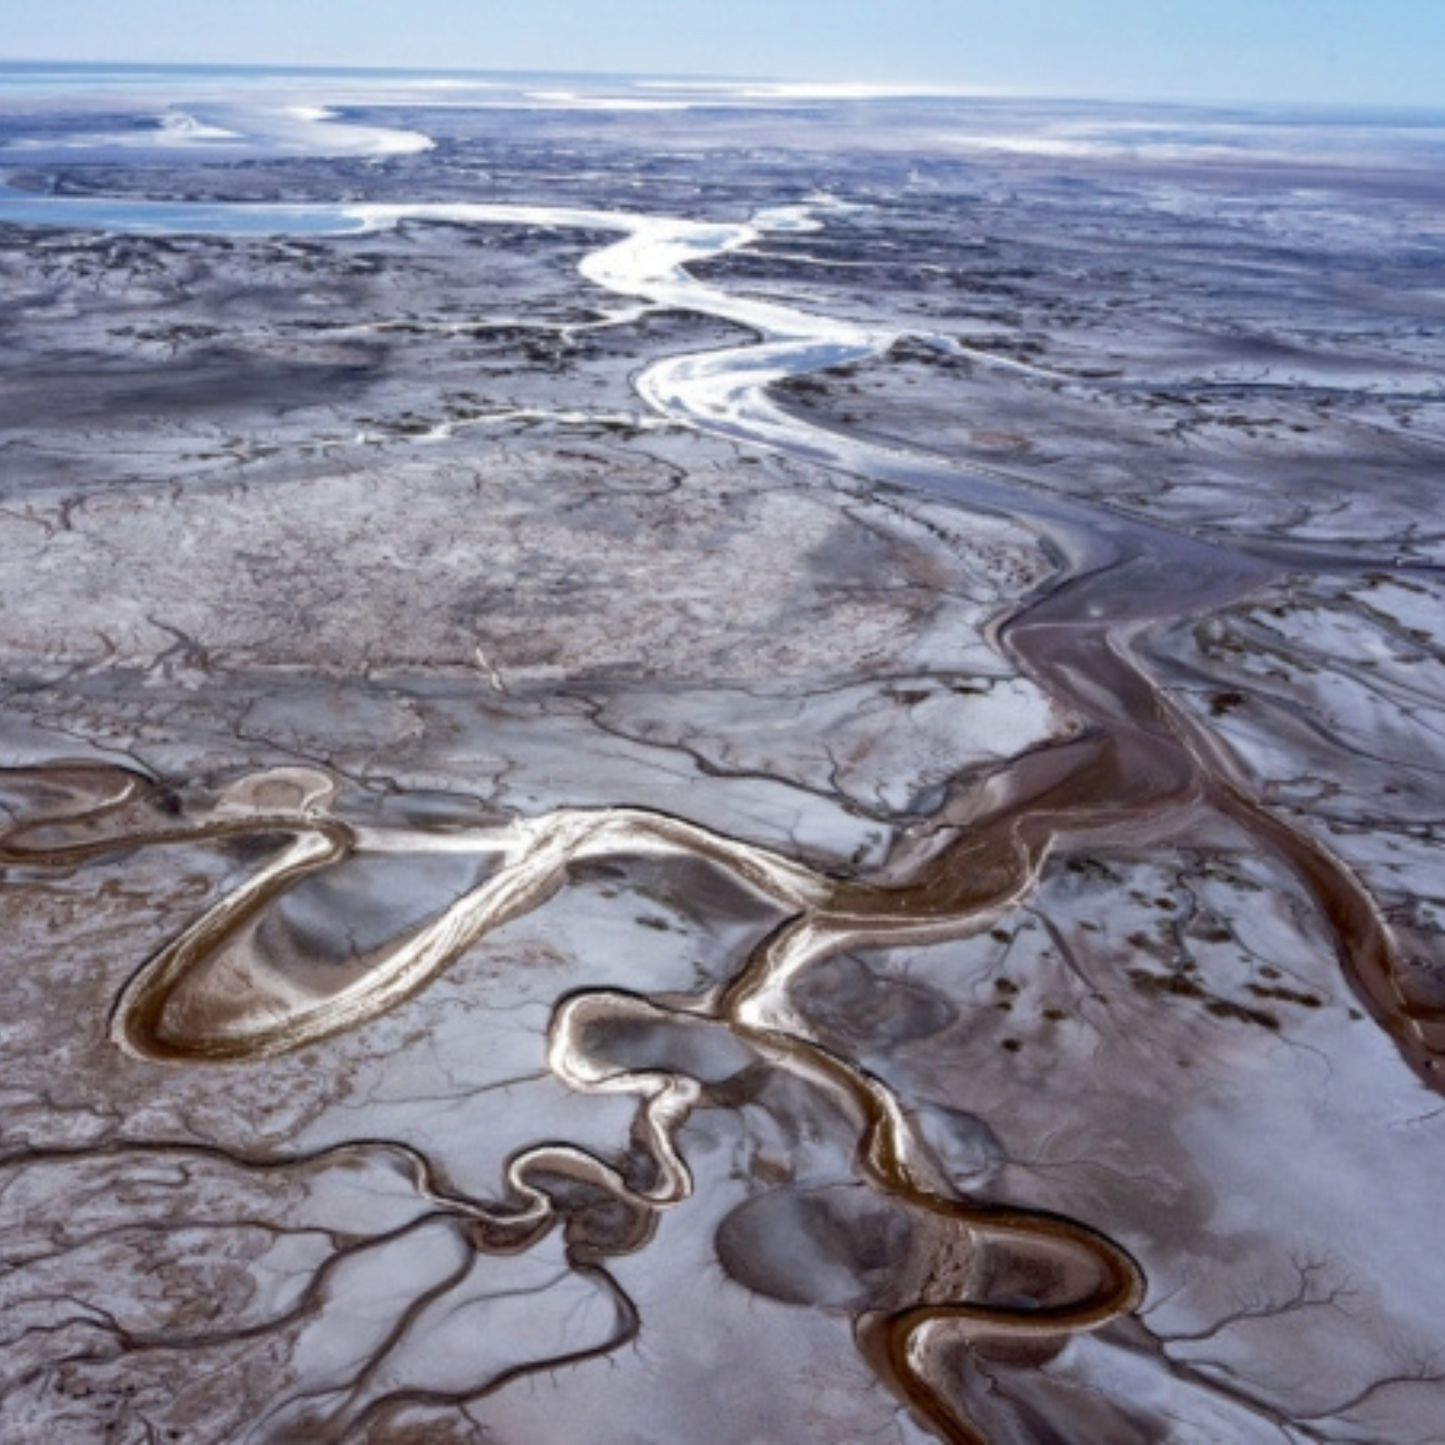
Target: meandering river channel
1140, 767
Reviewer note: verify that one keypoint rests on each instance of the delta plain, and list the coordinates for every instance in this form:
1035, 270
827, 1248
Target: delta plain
719, 762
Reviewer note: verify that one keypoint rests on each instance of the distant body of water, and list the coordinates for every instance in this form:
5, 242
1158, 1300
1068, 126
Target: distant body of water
106, 214
41, 103
103, 213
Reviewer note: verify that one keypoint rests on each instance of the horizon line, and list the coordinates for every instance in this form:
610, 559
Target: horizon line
874, 90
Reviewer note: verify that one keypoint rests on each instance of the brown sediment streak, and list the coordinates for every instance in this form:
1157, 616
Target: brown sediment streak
1368, 956
898, 1345
1157, 750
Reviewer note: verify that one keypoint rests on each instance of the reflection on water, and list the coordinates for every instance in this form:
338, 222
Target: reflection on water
173, 217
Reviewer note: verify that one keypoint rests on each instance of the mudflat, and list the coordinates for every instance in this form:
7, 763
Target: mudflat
772, 767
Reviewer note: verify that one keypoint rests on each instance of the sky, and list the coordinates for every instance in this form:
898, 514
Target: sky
1389, 52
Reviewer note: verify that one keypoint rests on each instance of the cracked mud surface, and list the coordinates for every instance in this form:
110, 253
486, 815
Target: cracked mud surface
552, 889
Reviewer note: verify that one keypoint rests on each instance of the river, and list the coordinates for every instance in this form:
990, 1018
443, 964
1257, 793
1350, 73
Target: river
1141, 767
